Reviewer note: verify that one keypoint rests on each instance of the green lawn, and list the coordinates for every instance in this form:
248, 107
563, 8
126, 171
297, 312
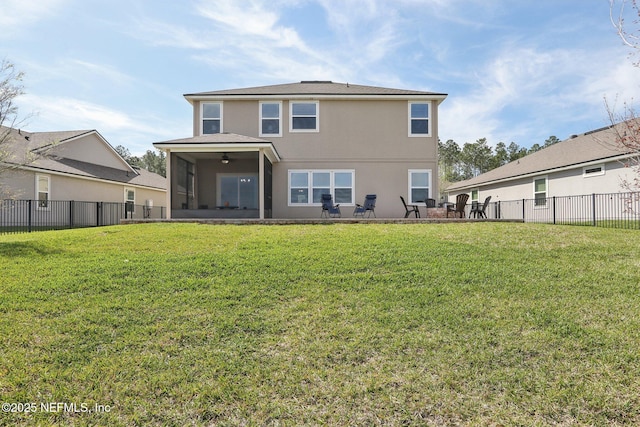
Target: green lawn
346, 324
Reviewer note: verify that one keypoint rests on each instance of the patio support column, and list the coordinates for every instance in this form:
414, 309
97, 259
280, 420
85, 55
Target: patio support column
261, 182
168, 182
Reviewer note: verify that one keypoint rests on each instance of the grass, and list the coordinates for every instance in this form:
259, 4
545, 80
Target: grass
393, 324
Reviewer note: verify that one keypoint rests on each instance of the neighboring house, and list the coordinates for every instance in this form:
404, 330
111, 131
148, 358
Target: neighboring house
272, 151
581, 165
74, 165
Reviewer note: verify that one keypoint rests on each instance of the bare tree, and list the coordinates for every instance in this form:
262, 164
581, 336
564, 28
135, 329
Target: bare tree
629, 35
16, 149
625, 124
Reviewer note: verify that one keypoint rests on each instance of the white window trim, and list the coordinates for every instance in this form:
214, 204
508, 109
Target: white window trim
477, 191
126, 196
411, 187
332, 186
586, 174
546, 191
429, 121
317, 116
267, 135
48, 206
202, 118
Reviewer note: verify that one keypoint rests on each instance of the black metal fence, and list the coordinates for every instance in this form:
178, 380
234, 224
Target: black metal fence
24, 216
615, 210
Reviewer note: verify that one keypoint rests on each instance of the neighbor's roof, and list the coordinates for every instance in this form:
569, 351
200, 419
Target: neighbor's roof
23, 144
317, 88
140, 177
590, 147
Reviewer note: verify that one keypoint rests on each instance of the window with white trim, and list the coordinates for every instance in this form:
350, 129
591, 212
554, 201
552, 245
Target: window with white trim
595, 170
540, 192
270, 118
474, 195
304, 116
211, 117
130, 198
306, 187
419, 185
43, 190
419, 123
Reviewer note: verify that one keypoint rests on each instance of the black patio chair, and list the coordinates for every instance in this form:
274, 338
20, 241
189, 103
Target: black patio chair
458, 208
409, 209
368, 206
328, 208
481, 209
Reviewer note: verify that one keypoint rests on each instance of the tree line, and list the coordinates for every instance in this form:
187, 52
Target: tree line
458, 164
153, 161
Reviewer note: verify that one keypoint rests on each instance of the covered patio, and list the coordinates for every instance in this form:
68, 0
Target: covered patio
222, 175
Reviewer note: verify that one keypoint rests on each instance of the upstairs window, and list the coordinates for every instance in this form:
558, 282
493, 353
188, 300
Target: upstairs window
419, 124
270, 118
211, 118
304, 117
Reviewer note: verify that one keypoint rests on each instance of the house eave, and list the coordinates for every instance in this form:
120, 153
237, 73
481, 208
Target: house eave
266, 147
438, 98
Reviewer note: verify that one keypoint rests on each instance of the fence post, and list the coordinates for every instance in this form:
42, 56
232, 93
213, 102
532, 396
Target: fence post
70, 213
98, 210
593, 208
554, 209
29, 216
523, 218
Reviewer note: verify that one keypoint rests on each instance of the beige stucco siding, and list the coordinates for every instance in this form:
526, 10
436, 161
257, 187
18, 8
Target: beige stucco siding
388, 181
90, 149
570, 182
370, 137
348, 130
61, 187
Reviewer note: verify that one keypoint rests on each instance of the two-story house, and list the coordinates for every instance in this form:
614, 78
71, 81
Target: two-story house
272, 151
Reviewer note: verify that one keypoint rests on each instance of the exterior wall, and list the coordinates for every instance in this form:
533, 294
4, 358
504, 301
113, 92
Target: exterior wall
90, 149
388, 181
368, 136
570, 182
18, 184
23, 184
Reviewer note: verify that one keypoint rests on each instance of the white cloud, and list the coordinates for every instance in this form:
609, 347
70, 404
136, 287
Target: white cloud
18, 16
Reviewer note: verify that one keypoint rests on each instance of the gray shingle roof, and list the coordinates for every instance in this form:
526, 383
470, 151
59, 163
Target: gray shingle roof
216, 138
315, 88
589, 147
21, 143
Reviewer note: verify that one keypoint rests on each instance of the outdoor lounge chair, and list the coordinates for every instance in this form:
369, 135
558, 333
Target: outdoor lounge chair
458, 208
328, 208
409, 209
368, 206
480, 209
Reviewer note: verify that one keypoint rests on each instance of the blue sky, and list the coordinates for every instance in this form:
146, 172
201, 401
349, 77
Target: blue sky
514, 70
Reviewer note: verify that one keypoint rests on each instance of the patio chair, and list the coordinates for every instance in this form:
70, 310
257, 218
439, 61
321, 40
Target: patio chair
409, 209
481, 208
368, 206
458, 208
328, 208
